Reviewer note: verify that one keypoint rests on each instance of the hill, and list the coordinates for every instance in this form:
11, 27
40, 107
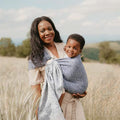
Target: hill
115, 45
91, 51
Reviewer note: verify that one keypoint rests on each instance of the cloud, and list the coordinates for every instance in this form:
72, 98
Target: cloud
93, 17
90, 17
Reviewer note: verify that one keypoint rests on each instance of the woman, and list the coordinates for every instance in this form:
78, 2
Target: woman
46, 44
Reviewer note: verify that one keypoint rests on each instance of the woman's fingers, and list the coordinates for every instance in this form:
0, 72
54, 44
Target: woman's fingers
82, 95
75, 95
78, 95
85, 92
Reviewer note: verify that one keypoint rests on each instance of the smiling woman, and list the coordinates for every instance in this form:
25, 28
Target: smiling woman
46, 44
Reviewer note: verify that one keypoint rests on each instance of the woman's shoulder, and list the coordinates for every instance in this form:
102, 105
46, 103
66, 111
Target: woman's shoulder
60, 44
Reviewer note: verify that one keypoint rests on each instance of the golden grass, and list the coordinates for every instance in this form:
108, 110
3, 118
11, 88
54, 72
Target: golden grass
101, 103
103, 99
15, 100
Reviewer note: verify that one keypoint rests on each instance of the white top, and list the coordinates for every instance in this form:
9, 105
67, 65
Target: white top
36, 76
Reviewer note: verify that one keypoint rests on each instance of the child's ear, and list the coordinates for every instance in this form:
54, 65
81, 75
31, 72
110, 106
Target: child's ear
80, 51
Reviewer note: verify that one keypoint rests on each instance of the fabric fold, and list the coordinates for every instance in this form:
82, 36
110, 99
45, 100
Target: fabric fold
49, 108
74, 75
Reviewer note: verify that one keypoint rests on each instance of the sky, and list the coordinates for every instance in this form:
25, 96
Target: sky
95, 20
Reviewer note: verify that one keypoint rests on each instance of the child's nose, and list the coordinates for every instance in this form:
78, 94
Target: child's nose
71, 49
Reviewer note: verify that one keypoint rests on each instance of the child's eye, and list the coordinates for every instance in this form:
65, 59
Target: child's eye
75, 48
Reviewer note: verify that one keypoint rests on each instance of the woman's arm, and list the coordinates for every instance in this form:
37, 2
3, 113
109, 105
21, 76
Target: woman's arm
37, 94
61, 98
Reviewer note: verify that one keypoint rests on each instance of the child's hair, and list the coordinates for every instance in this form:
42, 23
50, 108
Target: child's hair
78, 38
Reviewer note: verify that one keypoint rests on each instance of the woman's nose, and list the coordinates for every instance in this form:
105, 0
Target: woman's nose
47, 32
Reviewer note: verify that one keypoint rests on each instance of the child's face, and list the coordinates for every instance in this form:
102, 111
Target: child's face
72, 48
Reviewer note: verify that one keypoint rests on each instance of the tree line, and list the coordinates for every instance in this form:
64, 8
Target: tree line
7, 48
108, 55
105, 53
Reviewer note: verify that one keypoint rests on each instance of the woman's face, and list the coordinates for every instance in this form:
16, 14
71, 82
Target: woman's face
46, 32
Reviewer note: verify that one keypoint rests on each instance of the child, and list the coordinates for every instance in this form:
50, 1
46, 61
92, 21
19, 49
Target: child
74, 75
74, 45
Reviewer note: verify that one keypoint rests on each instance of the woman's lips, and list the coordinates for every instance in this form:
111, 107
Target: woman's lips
49, 38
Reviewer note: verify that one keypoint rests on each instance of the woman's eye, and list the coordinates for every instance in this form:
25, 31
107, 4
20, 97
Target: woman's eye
49, 28
42, 31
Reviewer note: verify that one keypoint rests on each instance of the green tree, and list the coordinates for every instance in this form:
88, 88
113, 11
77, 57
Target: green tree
24, 49
91, 53
7, 48
106, 54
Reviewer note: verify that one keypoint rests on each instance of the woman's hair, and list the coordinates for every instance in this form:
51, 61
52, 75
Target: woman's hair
37, 45
78, 38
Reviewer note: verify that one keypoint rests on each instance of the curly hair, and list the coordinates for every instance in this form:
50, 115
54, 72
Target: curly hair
37, 45
78, 38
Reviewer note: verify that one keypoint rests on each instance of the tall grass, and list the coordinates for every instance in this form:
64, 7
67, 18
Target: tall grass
103, 99
16, 102
101, 103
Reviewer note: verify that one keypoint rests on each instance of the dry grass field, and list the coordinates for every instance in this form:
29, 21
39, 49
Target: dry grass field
101, 103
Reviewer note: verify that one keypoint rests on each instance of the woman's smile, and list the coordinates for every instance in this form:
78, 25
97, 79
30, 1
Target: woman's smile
49, 37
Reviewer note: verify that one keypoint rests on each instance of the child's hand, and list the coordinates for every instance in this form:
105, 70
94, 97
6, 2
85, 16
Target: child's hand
77, 95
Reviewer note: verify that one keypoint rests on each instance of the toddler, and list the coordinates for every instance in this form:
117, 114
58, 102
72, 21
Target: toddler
74, 75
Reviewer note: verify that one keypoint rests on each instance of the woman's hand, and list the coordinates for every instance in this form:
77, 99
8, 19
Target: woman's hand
77, 95
61, 98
